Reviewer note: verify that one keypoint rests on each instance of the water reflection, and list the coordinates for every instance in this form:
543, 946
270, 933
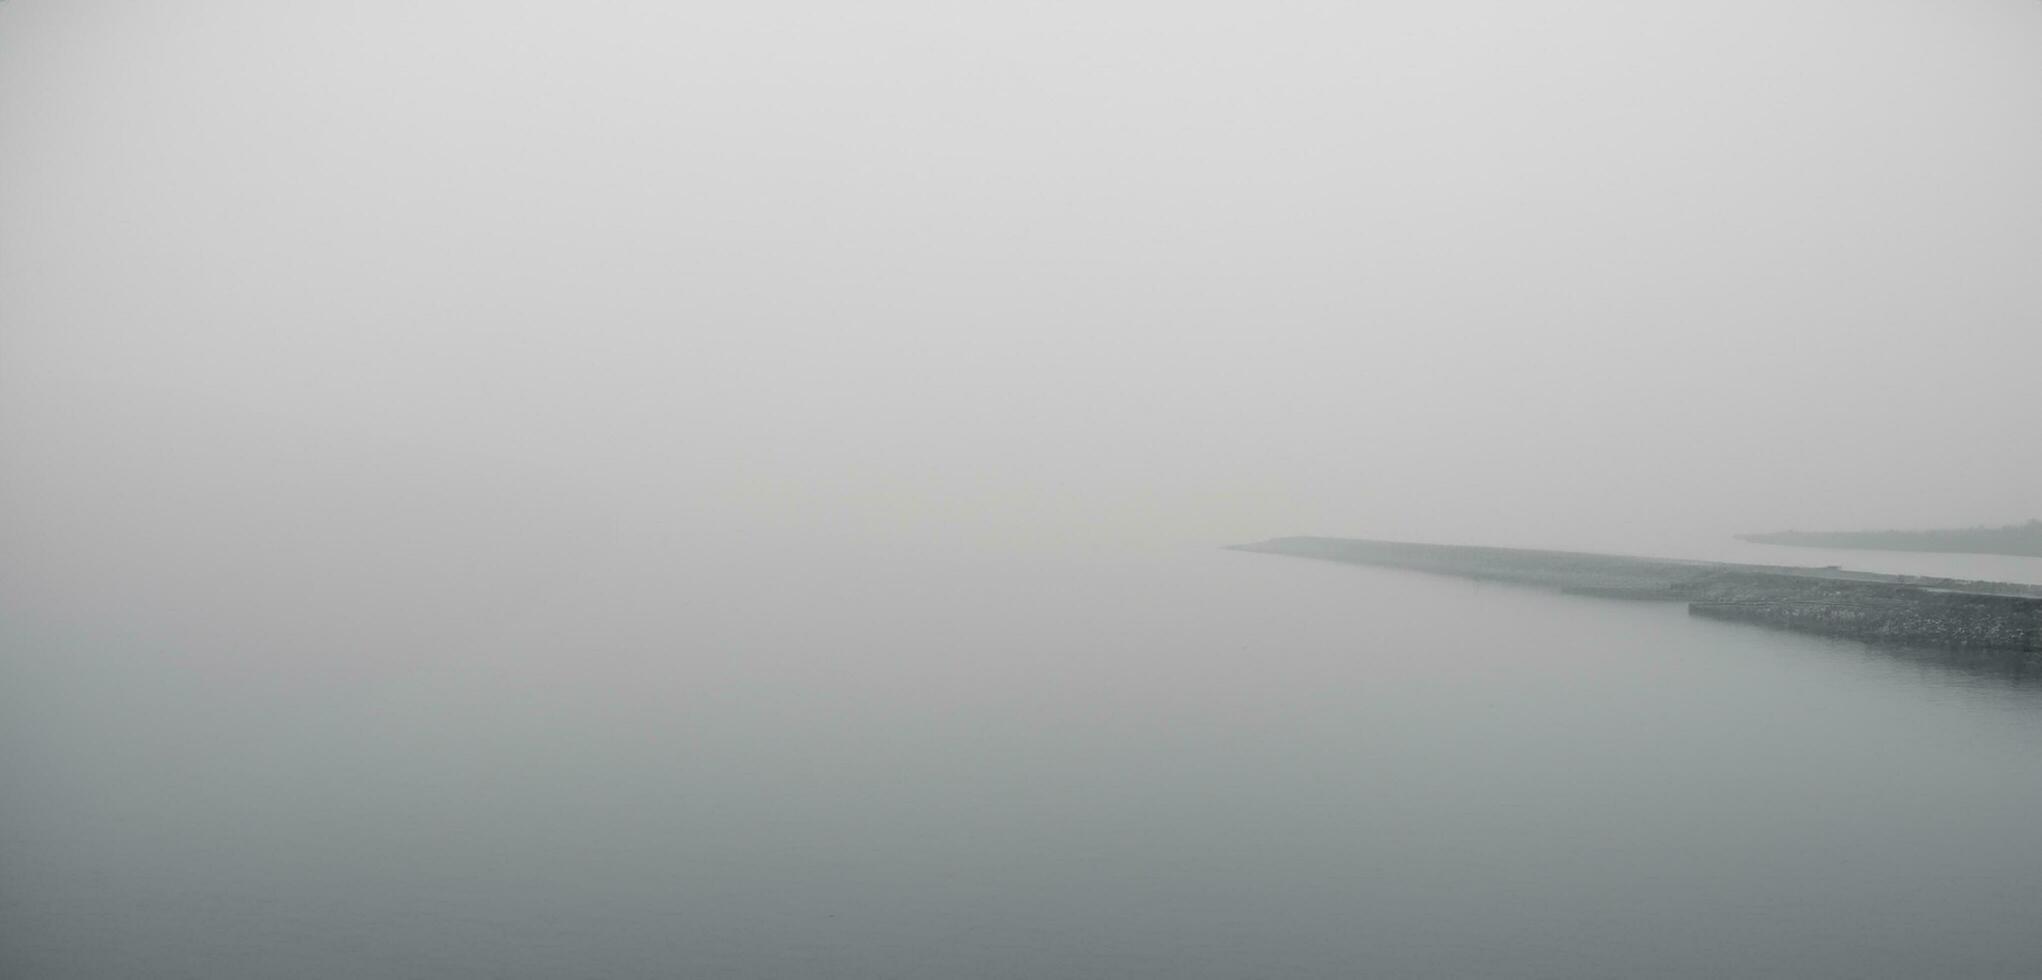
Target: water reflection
1189, 765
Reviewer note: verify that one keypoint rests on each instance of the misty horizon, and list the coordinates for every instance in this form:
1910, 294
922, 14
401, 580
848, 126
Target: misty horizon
1604, 275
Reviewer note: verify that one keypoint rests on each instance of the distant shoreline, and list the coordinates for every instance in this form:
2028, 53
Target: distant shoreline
2016, 540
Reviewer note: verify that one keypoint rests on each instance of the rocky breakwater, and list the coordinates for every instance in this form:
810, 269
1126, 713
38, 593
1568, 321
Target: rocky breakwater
1897, 612
1885, 609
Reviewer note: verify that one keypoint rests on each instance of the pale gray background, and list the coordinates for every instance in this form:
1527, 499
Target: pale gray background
1602, 273
630, 489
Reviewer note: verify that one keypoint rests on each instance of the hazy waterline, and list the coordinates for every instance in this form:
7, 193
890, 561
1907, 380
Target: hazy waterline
1185, 763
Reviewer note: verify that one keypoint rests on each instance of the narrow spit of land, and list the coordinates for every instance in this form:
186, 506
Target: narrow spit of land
2023, 540
1832, 601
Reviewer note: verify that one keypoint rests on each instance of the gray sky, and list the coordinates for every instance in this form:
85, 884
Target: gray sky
289, 279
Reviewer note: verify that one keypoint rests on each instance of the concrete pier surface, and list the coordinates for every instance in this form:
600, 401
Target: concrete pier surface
1869, 606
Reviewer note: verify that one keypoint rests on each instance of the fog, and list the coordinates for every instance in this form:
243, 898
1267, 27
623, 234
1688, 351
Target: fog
629, 488
1604, 274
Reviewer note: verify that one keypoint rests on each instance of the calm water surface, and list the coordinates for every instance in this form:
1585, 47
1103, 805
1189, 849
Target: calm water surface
1177, 764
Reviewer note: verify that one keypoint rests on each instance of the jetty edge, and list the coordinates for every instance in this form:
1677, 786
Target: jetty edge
1869, 606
